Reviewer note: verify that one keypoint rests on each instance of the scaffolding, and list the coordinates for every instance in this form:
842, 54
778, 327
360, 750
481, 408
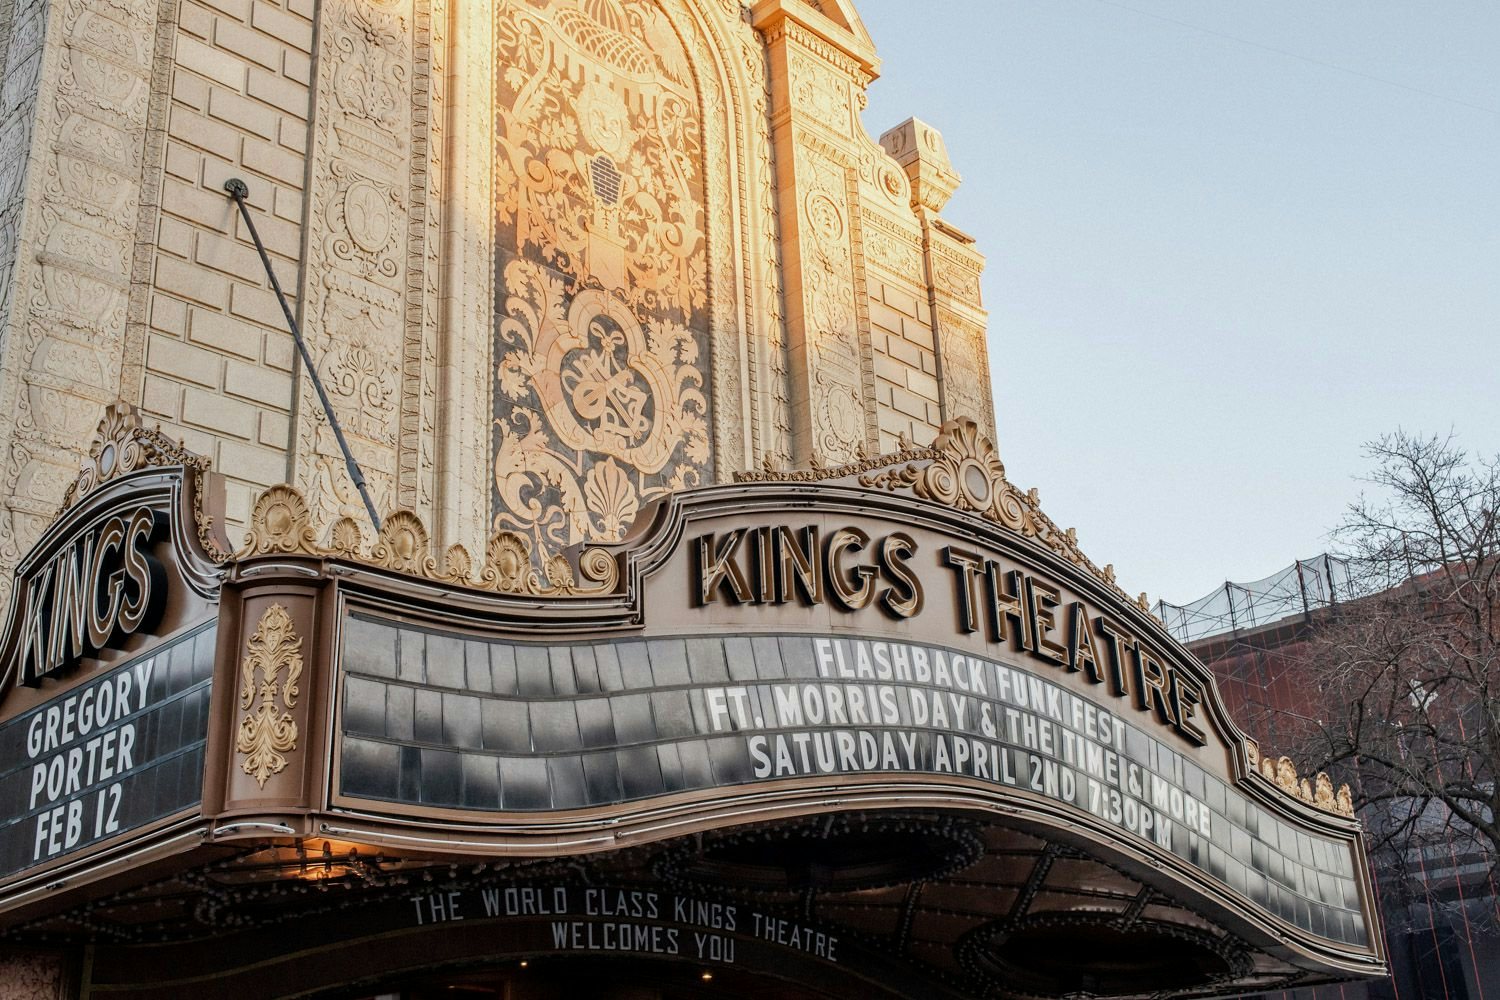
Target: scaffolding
1298, 590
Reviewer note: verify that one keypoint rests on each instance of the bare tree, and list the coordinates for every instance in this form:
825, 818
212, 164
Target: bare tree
1406, 675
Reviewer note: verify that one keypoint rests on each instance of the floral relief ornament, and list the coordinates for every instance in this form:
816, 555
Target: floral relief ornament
267, 732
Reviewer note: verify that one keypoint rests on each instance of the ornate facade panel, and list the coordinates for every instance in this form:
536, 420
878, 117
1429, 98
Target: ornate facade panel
604, 361
834, 348
68, 287
365, 281
966, 367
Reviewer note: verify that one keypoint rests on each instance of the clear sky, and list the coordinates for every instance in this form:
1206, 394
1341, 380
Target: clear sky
1229, 241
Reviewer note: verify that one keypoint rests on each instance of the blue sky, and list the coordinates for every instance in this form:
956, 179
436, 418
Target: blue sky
1229, 241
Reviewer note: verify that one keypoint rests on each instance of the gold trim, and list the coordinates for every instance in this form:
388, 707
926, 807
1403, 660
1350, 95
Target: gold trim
403, 546
267, 733
281, 524
1317, 792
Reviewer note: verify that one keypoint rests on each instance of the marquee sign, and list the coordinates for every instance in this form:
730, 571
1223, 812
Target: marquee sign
108, 653
436, 721
115, 753
887, 718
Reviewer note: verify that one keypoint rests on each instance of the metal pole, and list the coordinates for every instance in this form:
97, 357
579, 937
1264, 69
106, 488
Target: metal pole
237, 190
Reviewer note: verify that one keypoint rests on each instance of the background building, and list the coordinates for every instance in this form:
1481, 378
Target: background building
1439, 902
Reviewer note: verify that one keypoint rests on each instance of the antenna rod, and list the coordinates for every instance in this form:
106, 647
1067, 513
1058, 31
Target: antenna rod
237, 190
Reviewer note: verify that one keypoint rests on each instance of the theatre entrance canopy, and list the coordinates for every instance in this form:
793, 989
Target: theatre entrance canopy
879, 727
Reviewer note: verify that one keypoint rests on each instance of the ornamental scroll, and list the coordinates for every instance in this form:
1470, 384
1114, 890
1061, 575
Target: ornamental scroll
601, 342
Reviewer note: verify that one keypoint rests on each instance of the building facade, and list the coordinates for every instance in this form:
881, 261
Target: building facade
552, 259
694, 642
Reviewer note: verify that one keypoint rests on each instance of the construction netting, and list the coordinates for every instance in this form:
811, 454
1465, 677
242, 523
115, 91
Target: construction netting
1299, 589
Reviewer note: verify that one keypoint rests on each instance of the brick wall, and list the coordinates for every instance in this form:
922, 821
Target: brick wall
219, 360
906, 386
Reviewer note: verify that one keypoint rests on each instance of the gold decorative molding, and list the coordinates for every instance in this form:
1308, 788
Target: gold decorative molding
1317, 792
281, 524
403, 546
346, 539
123, 444
267, 732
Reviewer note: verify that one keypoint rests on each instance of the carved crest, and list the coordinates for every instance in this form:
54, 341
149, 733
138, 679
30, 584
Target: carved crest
122, 445
962, 470
280, 523
267, 731
403, 546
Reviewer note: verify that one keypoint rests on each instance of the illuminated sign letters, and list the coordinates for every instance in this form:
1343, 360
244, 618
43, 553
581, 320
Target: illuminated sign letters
102, 587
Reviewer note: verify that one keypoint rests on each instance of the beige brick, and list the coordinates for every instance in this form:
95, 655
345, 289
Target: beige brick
885, 317
294, 30
922, 384
191, 282
275, 430
230, 256
194, 440
189, 89
890, 369
919, 335
207, 209
279, 236
302, 8
279, 92
261, 385
216, 172
214, 412
294, 135
239, 499
280, 348
904, 352
223, 333
273, 161
900, 301
184, 361
162, 398
892, 422
195, 21
264, 466
935, 414
237, 9
296, 66
243, 113
205, 61
202, 133
243, 43
289, 204
909, 403
258, 305
174, 237
183, 162
169, 315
